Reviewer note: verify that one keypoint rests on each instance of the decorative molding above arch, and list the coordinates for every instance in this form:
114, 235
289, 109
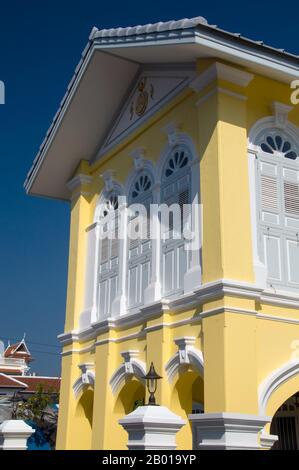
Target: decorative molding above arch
281, 112
186, 354
143, 165
111, 186
177, 138
273, 381
130, 367
268, 123
87, 378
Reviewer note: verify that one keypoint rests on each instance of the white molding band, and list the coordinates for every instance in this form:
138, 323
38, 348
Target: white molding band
205, 293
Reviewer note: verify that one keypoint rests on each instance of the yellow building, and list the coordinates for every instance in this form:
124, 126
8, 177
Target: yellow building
175, 113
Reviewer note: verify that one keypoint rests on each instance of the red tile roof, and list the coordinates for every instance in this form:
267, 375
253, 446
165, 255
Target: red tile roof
49, 383
18, 350
7, 381
15, 371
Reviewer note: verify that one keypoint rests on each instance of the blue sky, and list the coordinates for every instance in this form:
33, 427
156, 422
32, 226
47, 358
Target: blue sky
40, 45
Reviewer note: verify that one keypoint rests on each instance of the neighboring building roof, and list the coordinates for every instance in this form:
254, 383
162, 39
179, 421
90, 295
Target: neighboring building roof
18, 351
49, 383
7, 381
15, 371
95, 92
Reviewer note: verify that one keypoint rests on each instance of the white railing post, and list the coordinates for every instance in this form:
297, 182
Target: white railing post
14, 434
152, 427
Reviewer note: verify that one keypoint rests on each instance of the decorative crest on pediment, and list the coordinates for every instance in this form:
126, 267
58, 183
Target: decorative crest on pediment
151, 91
141, 99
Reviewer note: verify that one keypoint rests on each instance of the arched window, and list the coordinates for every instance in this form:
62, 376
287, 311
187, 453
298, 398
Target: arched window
175, 190
139, 248
108, 274
277, 168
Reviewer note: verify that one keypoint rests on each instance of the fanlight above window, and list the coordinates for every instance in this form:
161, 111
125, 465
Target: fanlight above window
272, 144
110, 205
178, 160
142, 184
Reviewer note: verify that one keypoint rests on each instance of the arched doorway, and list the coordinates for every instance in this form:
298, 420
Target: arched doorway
285, 424
83, 419
187, 398
130, 396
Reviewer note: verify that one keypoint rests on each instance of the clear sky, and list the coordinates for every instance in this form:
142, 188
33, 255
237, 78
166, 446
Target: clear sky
40, 45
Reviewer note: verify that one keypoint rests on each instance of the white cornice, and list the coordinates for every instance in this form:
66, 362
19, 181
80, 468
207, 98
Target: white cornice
219, 71
78, 181
205, 293
193, 38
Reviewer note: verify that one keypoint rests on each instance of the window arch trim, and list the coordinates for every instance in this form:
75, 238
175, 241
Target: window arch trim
116, 190
253, 148
183, 140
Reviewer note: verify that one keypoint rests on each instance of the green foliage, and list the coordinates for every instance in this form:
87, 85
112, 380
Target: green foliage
138, 403
36, 404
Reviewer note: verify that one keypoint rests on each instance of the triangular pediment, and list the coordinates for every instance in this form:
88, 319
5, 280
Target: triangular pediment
151, 90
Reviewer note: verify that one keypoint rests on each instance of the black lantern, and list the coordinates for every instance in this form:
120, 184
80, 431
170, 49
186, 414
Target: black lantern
151, 381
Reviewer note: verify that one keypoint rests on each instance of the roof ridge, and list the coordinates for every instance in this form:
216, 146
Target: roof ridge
169, 25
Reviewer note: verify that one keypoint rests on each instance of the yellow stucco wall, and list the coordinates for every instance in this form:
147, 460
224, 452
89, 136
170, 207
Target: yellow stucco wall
240, 350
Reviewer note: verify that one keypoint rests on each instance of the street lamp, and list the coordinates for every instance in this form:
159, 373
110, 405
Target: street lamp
151, 381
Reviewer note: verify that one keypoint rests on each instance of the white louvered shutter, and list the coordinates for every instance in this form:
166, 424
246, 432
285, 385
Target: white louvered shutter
109, 262
176, 189
139, 251
291, 223
270, 218
278, 178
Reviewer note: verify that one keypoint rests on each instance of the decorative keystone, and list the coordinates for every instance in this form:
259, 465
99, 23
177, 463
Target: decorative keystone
184, 344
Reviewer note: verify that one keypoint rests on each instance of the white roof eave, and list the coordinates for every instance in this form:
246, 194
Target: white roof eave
75, 135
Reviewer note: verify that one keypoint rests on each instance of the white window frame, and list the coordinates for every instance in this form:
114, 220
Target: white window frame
193, 276
108, 268
254, 150
143, 249
90, 314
